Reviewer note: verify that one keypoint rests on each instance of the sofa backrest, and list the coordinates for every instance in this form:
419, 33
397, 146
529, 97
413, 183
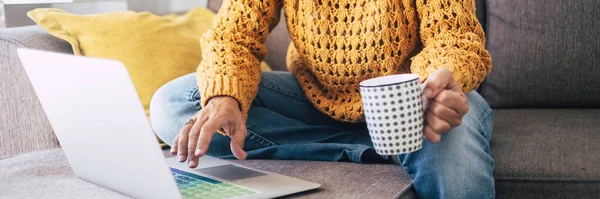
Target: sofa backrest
545, 54
23, 124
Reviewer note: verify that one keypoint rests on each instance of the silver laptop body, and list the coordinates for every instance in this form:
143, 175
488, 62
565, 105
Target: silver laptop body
99, 120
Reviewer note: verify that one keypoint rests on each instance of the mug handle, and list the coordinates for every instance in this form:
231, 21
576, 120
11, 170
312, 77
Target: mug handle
424, 100
424, 104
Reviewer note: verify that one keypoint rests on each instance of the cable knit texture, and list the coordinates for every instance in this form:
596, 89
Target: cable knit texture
338, 43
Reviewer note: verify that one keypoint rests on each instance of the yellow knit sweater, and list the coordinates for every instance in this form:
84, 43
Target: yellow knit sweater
338, 43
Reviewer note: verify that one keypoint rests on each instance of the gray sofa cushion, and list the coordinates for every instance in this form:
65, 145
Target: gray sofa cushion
47, 174
549, 151
23, 124
545, 53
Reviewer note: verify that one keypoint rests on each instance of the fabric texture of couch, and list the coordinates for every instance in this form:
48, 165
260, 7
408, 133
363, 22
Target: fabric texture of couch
23, 124
49, 171
539, 153
545, 54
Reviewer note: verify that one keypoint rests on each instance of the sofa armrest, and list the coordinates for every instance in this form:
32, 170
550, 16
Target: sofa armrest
23, 124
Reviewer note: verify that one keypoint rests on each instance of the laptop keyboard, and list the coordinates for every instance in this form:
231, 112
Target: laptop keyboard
196, 186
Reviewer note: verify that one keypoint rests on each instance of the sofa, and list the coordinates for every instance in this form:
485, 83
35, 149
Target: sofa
544, 89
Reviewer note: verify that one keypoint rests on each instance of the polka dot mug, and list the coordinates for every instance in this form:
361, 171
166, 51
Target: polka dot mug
394, 113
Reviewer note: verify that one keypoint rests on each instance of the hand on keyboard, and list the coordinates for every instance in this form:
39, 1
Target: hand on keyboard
194, 138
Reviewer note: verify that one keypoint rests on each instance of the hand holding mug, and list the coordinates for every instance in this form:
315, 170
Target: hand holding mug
446, 104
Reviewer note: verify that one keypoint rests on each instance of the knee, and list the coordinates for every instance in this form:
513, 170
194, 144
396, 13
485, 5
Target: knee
455, 182
480, 113
171, 105
465, 185
466, 174
478, 107
459, 166
455, 172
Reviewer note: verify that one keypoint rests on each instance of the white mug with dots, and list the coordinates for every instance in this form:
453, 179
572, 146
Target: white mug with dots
394, 113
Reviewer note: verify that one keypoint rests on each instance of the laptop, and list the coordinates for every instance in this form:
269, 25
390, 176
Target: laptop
99, 120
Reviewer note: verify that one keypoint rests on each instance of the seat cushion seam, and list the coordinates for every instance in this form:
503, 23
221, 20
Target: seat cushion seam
13, 42
546, 180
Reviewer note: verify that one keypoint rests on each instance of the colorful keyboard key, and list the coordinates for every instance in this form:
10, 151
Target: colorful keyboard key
196, 186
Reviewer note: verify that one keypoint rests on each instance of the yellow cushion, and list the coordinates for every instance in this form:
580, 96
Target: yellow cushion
155, 49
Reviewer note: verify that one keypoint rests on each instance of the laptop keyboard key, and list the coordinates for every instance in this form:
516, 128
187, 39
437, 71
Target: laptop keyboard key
196, 186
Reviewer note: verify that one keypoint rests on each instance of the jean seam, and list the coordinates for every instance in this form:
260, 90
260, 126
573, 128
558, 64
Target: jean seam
192, 93
282, 91
261, 140
406, 169
485, 115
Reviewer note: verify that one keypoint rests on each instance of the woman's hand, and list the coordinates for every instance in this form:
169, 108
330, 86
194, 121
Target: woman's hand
447, 104
194, 138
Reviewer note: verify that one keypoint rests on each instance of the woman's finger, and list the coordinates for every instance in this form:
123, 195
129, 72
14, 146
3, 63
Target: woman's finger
174, 145
457, 101
431, 135
445, 113
238, 137
208, 129
438, 125
183, 140
193, 141
437, 82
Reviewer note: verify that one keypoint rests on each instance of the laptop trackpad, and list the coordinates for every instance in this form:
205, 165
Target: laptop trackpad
230, 172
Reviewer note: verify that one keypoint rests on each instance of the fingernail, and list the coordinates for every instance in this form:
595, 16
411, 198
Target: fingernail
197, 152
181, 158
191, 163
427, 92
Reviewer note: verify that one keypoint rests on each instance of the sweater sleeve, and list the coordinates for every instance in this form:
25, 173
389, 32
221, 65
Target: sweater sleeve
452, 39
233, 49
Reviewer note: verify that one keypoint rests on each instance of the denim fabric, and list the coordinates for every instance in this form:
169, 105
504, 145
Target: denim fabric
283, 124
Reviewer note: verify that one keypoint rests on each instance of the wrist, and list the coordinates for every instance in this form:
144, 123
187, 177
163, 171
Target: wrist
227, 100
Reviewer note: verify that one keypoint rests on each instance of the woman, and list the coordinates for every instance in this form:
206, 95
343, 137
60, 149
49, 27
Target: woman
315, 112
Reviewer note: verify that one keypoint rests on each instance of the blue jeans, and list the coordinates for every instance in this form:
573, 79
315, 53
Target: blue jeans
283, 124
